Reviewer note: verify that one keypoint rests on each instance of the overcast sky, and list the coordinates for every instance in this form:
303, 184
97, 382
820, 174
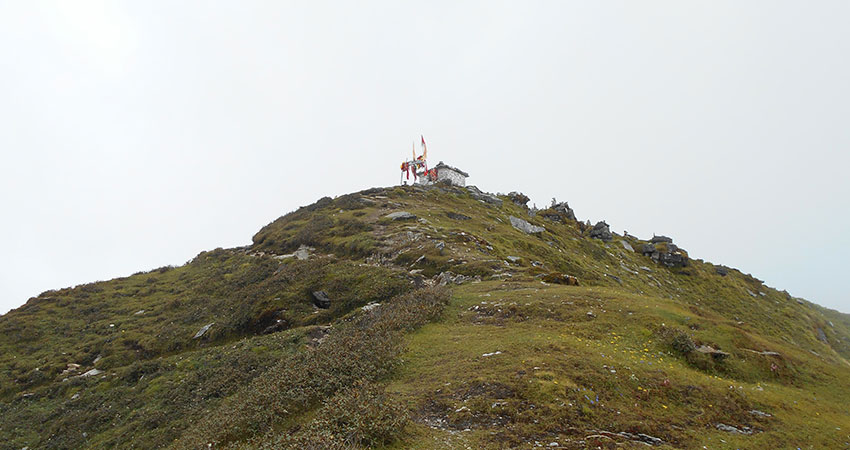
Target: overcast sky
136, 134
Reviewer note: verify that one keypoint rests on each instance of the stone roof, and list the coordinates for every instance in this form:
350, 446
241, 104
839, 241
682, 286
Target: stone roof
442, 165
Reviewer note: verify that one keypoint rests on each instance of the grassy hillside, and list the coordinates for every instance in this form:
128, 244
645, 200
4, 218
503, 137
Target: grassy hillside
640, 352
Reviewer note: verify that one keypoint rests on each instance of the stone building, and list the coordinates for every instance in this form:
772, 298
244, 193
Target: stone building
454, 175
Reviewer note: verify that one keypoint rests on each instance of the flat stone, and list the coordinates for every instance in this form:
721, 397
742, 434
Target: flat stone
524, 226
91, 373
627, 246
400, 215
203, 330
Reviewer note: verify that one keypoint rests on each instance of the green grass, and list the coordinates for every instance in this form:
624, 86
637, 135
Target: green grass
260, 379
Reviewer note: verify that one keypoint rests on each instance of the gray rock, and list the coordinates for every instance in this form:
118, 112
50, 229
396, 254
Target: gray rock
564, 209
721, 270
822, 336
457, 216
446, 278
91, 373
400, 215
321, 299
601, 231
139, 312
513, 259
657, 239
758, 413
203, 330
731, 429
524, 226
476, 193
716, 354
627, 246
303, 252
440, 245
647, 249
519, 198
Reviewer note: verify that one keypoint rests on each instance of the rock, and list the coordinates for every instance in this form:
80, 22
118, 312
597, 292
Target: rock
445, 278
476, 193
400, 215
514, 259
524, 226
615, 278
370, 306
560, 278
317, 335
721, 270
672, 259
70, 369
731, 429
758, 413
627, 246
440, 245
591, 315
91, 373
657, 239
203, 330
457, 216
716, 354
139, 312
303, 252
564, 209
822, 336
519, 198
647, 249
321, 299
601, 231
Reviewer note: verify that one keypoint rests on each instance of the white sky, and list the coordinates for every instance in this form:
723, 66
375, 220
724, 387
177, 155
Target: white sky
136, 134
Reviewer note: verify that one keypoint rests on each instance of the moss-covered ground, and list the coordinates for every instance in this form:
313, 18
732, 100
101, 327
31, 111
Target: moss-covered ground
639, 353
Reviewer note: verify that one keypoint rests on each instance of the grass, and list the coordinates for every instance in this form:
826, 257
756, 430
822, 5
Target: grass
568, 364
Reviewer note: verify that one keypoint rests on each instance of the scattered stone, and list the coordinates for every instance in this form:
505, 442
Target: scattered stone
657, 239
615, 278
758, 413
764, 353
71, 368
400, 215
716, 354
317, 335
647, 269
446, 278
591, 315
524, 226
75, 396
139, 312
440, 245
492, 354
822, 336
601, 231
457, 216
627, 246
560, 278
203, 330
514, 259
752, 294
91, 373
730, 429
321, 299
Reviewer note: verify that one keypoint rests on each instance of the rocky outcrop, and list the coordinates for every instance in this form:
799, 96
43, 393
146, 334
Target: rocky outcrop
457, 216
524, 226
601, 231
519, 198
321, 299
713, 352
400, 215
484, 197
665, 252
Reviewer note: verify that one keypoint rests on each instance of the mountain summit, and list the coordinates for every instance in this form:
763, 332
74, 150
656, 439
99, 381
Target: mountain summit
432, 316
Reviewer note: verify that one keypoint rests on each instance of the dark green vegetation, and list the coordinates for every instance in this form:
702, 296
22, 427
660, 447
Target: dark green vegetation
504, 360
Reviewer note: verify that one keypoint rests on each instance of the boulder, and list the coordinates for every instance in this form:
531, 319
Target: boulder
321, 299
601, 231
524, 226
822, 336
647, 249
564, 209
721, 270
203, 330
731, 429
519, 198
400, 215
91, 373
484, 197
657, 239
627, 246
716, 354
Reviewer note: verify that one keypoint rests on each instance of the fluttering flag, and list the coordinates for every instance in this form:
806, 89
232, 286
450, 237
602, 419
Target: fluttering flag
424, 148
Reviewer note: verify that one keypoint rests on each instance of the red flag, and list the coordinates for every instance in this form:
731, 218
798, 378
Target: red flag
424, 148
